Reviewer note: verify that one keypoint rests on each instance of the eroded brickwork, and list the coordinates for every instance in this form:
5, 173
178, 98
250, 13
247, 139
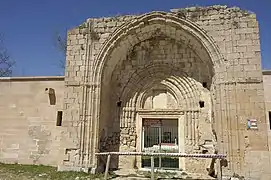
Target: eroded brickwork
122, 69
103, 53
267, 95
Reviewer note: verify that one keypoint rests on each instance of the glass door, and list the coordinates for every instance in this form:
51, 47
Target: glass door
160, 136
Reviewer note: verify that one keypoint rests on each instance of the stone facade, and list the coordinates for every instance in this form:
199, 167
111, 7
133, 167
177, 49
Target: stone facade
20, 96
120, 70
267, 94
28, 110
120, 60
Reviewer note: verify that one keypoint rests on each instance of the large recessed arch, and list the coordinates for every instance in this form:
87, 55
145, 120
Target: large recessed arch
143, 27
120, 45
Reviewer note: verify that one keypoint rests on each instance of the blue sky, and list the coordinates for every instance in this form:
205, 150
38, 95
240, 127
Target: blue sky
29, 25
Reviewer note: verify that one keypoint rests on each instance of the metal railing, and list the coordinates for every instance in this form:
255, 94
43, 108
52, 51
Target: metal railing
212, 156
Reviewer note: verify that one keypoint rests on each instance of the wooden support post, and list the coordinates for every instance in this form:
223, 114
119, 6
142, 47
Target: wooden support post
211, 169
152, 167
219, 171
107, 167
160, 149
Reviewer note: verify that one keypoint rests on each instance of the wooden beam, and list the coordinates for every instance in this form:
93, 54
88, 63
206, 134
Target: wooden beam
107, 166
152, 168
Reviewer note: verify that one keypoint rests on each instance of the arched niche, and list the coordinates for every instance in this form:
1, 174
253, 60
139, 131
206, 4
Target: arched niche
124, 73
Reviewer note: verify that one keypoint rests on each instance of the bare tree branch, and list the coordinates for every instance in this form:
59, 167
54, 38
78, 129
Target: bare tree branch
60, 43
6, 63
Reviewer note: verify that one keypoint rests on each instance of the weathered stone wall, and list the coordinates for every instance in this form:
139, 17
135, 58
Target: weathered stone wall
236, 33
28, 131
84, 43
18, 99
237, 84
267, 95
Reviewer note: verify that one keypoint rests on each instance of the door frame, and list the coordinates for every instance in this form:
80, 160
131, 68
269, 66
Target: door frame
161, 114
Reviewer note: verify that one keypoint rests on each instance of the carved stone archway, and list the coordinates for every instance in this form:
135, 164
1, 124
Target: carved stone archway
148, 28
116, 64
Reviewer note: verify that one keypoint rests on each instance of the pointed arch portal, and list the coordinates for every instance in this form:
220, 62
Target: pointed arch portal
154, 65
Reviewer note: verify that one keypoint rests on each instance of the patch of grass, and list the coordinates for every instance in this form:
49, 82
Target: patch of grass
40, 172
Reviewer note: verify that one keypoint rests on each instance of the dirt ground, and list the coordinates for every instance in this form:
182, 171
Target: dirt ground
35, 172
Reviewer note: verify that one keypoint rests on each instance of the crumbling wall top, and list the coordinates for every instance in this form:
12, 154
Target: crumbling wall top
214, 10
214, 7
193, 13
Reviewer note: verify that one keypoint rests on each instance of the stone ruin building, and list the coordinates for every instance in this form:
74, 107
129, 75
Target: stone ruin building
190, 78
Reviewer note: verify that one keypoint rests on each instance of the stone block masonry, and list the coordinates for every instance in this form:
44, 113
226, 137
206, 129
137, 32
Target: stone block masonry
28, 116
104, 52
200, 66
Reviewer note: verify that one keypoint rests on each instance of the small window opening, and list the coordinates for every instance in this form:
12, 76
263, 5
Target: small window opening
119, 103
201, 104
59, 118
269, 113
52, 96
204, 84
